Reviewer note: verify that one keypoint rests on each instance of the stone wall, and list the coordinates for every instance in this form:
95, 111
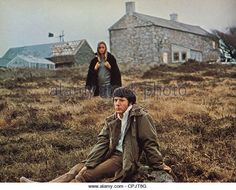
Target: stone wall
84, 55
141, 42
131, 43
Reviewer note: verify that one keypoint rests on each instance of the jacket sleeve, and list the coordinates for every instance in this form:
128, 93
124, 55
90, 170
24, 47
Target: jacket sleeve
149, 142
115, 72
91, 76
99, 151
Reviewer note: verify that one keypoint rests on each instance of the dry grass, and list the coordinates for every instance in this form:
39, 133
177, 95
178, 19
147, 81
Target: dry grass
42, 136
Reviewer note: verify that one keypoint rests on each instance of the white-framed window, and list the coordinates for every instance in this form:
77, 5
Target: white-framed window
196, 55
184, 56
176, 56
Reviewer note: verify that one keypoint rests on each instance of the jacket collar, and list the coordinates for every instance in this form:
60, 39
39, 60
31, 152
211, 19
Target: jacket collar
125, 114
136, 110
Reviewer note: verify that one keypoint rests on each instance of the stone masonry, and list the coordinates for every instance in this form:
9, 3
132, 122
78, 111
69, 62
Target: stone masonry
138, 38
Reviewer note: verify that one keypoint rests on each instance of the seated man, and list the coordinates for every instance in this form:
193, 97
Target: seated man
126, 134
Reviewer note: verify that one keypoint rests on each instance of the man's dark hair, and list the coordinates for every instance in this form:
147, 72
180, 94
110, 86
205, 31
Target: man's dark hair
126, 93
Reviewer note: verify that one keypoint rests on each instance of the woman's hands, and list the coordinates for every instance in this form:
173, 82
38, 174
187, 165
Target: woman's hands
97, 66
106, 64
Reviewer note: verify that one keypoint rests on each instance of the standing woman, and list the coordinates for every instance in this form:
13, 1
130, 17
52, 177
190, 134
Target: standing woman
103, 74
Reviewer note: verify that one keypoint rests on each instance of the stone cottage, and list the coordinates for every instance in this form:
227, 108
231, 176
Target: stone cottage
139, 38
62, 54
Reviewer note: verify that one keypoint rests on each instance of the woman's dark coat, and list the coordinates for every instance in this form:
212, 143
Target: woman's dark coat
92, 77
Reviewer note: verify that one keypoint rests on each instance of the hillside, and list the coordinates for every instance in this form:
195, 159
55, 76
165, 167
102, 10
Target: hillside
48, 123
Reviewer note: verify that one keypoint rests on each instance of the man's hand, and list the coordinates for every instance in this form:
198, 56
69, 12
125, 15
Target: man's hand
167, 168
82, 170
97, 66
79, 177
107, 65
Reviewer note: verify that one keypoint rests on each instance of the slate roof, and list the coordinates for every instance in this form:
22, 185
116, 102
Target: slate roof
166, 23
67, 48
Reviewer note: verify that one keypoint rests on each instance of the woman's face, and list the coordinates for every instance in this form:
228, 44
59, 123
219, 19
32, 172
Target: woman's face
102, 49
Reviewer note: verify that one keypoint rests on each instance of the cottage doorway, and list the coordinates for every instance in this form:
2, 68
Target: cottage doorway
165, 57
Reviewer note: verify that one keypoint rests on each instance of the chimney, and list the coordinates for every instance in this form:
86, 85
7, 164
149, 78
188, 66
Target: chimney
130, 7
174, 17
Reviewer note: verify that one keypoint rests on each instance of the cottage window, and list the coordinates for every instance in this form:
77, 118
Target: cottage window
184, 56
176, 56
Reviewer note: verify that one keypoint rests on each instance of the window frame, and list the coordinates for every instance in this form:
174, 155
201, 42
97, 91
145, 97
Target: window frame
184, 53
174, 56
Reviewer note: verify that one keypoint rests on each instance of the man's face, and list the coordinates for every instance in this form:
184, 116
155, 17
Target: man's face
102, 48
120, 104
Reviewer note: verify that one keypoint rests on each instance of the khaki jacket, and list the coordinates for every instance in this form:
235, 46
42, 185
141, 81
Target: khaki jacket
140, 135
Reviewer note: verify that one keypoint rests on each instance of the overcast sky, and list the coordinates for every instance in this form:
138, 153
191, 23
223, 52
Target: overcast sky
27, 22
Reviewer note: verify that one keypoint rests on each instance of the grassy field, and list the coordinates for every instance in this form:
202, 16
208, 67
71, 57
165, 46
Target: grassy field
48, 123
